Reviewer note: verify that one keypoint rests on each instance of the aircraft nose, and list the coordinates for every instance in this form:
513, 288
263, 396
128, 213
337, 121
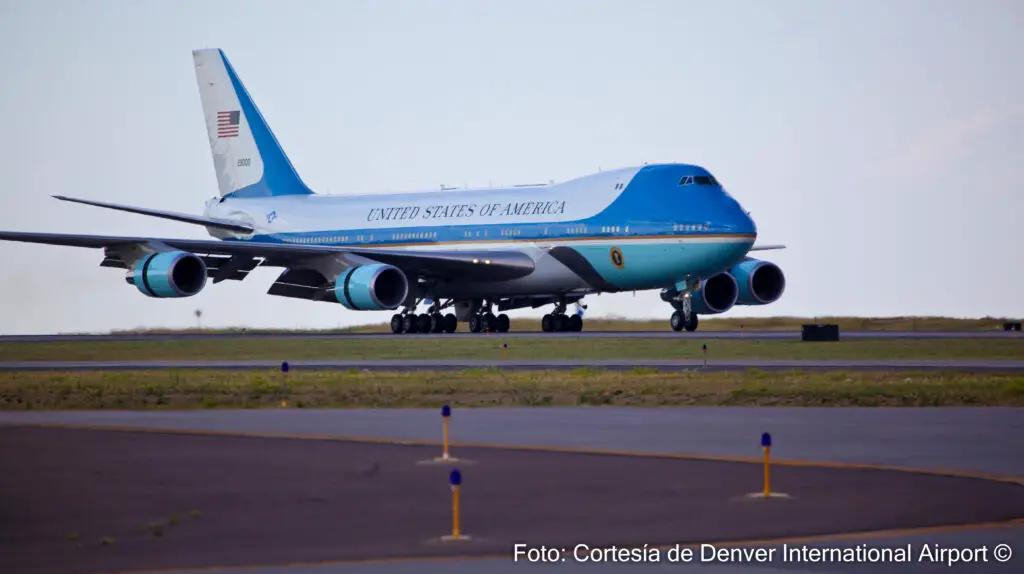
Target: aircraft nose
735, 218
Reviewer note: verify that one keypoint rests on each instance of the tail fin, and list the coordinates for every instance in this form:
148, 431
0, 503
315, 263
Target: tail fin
246, 156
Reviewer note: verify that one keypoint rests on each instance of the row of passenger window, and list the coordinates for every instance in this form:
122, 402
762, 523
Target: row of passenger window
614, 229
325, 239
689, 227
420, 235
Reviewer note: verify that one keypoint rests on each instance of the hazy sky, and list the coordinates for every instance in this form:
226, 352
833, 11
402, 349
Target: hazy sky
881, 141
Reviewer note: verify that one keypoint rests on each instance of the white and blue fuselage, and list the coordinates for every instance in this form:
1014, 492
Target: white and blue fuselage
629, 229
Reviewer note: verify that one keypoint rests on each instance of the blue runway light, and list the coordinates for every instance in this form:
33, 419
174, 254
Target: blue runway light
284, 367
446, 411
505, 345
766, 439
456, 477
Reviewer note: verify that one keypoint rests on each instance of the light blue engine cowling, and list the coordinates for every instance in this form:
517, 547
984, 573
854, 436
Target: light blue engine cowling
717, 294
376, 287
759, 282
169, 274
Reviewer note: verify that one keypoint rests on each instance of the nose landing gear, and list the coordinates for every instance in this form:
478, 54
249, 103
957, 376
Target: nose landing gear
683, 317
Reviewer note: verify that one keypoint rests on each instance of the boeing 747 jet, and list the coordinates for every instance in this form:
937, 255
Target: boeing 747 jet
465, 255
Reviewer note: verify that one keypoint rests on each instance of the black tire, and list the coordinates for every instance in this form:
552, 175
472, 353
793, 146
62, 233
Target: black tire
502, 323
410, 324
547, 323
562, 322
691, 325
575, 323
676, 321
490, 322
450, 323
436, 323
424, 323
397, 325
476, 323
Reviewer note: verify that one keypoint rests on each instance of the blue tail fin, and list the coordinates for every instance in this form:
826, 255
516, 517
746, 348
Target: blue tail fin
246, 156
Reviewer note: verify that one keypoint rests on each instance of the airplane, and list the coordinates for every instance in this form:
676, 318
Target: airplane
473, 252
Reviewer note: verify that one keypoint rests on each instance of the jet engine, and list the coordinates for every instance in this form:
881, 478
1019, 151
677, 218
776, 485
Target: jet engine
374, 287
759, 282
716, 294
169, 274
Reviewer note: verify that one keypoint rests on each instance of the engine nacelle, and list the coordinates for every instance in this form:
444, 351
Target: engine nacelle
375, 287
760, 282
716, 294
170, 274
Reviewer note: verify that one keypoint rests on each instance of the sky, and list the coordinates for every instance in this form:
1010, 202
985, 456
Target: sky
880, 140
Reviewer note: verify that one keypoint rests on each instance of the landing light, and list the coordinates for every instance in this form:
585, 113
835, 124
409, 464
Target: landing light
487, 261
476, 261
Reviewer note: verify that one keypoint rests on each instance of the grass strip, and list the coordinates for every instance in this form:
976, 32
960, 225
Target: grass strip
492, 387
490, 347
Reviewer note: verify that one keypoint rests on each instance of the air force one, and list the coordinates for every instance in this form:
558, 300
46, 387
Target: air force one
474, 252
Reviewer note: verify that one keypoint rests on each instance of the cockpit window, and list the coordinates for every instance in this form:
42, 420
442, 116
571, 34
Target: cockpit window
698, 180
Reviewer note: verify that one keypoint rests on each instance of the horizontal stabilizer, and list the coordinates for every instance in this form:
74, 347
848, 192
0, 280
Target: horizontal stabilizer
183, 217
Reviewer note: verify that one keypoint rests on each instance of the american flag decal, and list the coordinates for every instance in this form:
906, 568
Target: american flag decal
227, 124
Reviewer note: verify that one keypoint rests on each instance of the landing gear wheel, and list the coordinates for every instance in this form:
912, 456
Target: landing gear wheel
489, 322
436, 323
677, 321
410, 323
424, 323
562, 322
547, 323
450, 323
476, 323
397, 325
691, 325
502, 323
576, 323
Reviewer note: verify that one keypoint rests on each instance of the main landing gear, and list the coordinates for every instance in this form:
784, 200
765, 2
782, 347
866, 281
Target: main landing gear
423, 323
489, 323
558, 321
485, 321
430, 322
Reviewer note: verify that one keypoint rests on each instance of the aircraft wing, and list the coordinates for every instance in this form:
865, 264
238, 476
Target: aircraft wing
172, 215
487, 265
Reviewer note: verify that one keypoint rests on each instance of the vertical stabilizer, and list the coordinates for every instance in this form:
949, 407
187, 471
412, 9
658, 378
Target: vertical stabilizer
246, 156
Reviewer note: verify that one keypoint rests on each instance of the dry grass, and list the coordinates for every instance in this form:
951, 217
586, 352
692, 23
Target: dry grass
482, 388
490, 347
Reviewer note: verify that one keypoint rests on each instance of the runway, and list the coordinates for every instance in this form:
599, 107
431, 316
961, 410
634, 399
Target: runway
974, 366
983, 443
72, 480
667, 334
